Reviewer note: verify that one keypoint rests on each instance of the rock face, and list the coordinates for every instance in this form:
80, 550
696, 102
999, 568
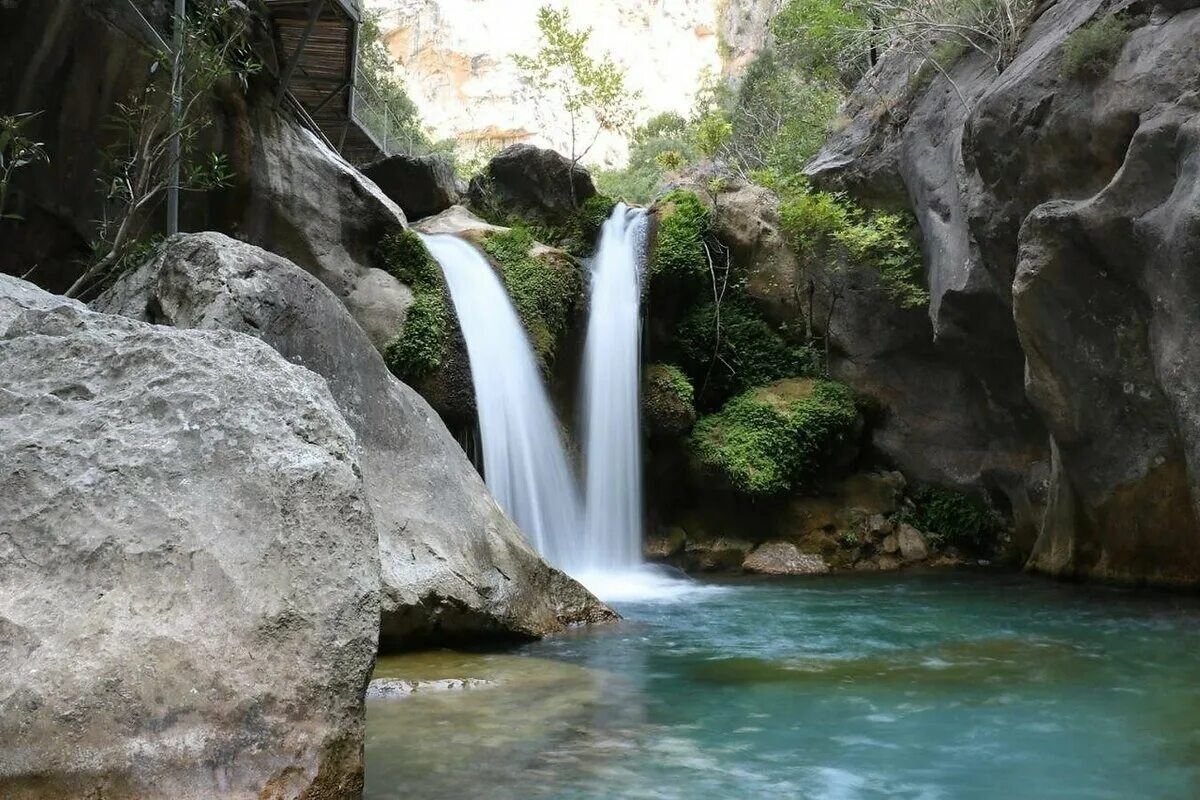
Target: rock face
1068, 205
303, 201
530, 183
189, 580
453, 566
421, 185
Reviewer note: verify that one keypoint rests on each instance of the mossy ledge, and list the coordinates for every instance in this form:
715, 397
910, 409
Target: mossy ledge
419, 347
776, 438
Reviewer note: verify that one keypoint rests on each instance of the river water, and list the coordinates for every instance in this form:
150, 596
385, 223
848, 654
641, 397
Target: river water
954, 685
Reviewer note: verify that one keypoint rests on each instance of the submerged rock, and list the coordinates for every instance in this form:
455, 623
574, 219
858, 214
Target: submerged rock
783, 558
421, 185
453, 565
189, 570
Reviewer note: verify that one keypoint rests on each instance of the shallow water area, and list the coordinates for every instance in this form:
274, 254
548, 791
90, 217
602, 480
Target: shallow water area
884, 686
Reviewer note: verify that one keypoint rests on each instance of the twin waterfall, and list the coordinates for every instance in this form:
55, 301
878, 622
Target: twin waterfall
525, 463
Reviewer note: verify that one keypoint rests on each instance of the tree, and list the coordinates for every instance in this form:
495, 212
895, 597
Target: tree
591, 91
17, 151
138, 167
388, 111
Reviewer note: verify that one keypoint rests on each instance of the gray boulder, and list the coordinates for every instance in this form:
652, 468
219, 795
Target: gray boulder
530, 183
188, 573
453, 565
421, 185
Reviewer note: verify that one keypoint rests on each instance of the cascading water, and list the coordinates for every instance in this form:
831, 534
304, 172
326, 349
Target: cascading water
611, 378
524, 462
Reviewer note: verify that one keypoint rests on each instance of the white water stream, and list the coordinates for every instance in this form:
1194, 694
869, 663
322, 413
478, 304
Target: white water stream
524, 462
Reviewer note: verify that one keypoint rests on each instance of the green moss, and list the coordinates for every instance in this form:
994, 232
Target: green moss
749, 352
404, 256
775, 438
667, 400
577, 233
543, 289
683, 223
950, 517
1092, 50
418, 349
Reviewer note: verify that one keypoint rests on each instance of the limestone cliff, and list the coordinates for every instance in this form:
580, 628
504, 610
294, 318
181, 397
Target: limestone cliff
456, 58
1057, 364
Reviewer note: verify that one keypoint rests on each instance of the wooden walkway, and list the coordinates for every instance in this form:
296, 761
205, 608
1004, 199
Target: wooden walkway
317, 45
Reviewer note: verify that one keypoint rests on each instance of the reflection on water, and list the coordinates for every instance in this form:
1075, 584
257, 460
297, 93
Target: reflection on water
933, 687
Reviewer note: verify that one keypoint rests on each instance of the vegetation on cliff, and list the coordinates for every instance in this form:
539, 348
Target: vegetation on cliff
419, 347
683, 224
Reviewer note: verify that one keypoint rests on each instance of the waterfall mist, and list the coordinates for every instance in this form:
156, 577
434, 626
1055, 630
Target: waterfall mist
524, 462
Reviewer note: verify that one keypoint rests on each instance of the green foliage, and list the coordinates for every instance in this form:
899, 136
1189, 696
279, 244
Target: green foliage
773, 439
543, 289
665, 144
1092, 50
779, 118
670, 378
747, 352
590, 90
820, 38
418, 349
405, 257
683, 223
826, 220
713, 132
951, 518
17, 151
849, 540
668, 399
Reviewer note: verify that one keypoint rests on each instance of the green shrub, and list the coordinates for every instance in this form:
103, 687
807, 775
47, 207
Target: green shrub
772, 439
949, 517
418, 349
1092, 50
405, 257
543, 289
881, 241
751, 352
683, 223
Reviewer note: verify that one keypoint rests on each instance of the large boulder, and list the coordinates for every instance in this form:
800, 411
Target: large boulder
530, 183
302, 200
189, 580
454, 567
421, 185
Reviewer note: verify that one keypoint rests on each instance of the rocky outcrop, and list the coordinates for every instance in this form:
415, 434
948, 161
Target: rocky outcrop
783, 558
1068, 204
529, 183
453, 566
421, 185
303, 201
189, 580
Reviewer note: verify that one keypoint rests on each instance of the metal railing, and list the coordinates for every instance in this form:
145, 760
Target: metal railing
376, 117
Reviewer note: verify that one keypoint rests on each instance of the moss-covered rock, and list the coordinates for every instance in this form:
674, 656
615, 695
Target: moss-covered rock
679, 250
770, 440
420, 346
544, 285
667, 401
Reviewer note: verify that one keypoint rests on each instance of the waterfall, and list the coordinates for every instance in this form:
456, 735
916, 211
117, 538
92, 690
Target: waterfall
524, 462
611, 399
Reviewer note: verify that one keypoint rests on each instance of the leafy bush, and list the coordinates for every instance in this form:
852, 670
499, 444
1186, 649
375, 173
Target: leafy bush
664, 144
1092, 50
950, 517
543, 290
775, 438
405, 257
418, 349
683, 223
750, 352
877, 240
